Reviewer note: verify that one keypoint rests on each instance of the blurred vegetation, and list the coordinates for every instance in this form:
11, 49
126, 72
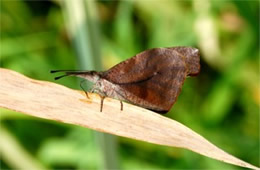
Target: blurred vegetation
222, 103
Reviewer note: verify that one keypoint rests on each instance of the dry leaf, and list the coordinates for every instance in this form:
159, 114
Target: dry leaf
55, 102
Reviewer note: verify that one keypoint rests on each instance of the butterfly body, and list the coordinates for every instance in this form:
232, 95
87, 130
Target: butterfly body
152, 79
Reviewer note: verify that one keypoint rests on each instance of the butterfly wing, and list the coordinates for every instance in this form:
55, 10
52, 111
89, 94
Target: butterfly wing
192, 58
135, 69
152, 79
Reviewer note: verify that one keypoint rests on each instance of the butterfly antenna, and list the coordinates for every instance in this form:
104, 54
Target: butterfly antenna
70, 73
75, 71
57, 78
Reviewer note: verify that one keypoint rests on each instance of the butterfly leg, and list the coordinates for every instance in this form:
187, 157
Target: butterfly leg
121, 105
101, 94
81, 86
102, 101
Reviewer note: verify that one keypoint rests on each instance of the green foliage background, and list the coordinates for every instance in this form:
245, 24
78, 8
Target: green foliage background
221, 104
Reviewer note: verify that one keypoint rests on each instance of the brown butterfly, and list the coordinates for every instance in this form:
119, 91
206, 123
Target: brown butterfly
151, 79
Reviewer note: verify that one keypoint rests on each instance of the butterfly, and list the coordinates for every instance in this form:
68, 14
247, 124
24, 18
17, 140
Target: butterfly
152, 79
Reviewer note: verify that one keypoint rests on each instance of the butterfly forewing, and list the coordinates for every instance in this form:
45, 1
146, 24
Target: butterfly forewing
135, 69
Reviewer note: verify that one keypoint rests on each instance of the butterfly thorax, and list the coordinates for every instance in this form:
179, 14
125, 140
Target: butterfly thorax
107, 89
